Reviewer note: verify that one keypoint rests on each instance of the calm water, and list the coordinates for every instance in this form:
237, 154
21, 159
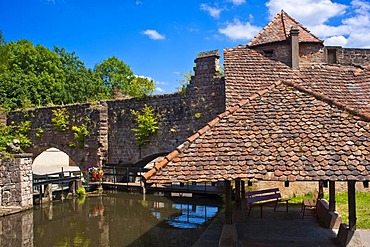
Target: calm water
115, 219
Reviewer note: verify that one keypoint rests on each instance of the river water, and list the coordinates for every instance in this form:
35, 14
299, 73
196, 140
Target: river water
114, 219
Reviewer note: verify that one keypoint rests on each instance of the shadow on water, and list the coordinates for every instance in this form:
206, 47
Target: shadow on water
114, 219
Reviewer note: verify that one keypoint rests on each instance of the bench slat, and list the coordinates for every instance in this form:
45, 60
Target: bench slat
261, 197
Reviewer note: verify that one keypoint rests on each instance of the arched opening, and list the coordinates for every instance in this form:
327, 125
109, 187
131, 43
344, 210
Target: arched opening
52, 160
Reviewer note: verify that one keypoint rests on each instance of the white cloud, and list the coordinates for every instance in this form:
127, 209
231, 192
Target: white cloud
237, 2
240, 31
352, 31
336, 40
153, 34
159, 90
324, 30
309, 12
212, 11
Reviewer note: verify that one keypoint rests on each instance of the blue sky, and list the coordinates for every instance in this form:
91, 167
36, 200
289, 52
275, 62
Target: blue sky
161, 38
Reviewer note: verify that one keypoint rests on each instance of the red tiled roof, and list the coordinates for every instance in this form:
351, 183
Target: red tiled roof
346, 84
247, 71
311, 124
279, 30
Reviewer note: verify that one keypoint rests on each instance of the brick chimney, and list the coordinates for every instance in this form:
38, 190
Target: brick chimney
294, 44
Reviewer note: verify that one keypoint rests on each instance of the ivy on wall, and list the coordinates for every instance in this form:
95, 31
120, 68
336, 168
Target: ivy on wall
80, 133
147, 124
61, 123
18, 132
60, 119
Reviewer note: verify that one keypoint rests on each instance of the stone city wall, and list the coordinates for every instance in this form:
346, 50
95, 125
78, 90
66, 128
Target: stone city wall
44, 135
351, 56
179, 115
110, 123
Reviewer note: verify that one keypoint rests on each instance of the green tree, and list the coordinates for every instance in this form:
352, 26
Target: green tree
30, 72
121, 81
185, 81
82, 84
37, 76
116, 75
141, 86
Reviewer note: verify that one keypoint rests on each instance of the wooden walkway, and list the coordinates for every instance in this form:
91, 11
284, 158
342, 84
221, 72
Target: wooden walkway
173, 190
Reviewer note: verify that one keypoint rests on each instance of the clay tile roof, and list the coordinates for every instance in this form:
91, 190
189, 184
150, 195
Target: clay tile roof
279, 30
311, 124
247, 72
283, 135
346, 85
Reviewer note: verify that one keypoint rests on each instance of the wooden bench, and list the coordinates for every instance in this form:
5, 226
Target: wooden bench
262, 197
310, 203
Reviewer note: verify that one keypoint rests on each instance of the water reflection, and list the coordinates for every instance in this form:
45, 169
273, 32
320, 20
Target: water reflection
115, 219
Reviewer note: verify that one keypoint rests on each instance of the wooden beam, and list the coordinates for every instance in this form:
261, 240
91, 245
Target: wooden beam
228, 204
243, 189
352, 204
332, 196
321, 190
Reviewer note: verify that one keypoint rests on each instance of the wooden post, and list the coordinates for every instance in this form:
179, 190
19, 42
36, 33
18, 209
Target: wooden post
237, 190
332, 196
352, 205
243, 189
228, 204
321, 189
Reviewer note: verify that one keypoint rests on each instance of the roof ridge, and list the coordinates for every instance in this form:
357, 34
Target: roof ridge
327, 99
169, 157
277, 30
282, 21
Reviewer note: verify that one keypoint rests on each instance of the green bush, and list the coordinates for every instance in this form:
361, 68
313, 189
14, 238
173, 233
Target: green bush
80, 133
81, 191
147, 124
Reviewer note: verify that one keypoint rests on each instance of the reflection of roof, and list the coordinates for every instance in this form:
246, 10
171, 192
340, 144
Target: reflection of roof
279, 30
311, 124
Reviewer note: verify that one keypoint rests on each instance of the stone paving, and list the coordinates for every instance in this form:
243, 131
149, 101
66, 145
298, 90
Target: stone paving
275, 228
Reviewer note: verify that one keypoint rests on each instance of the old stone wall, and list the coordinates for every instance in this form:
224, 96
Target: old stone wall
350, 56
311, 53
43, 134
179, 115
308, 52
16, 181
110, 123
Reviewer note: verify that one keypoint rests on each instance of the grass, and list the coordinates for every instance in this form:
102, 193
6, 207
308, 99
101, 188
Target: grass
362, 207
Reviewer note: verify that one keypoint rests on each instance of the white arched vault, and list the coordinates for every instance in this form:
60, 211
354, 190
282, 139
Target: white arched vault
53, 160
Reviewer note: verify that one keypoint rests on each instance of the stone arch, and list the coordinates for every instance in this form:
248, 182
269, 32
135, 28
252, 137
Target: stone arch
152, 158
52, 160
